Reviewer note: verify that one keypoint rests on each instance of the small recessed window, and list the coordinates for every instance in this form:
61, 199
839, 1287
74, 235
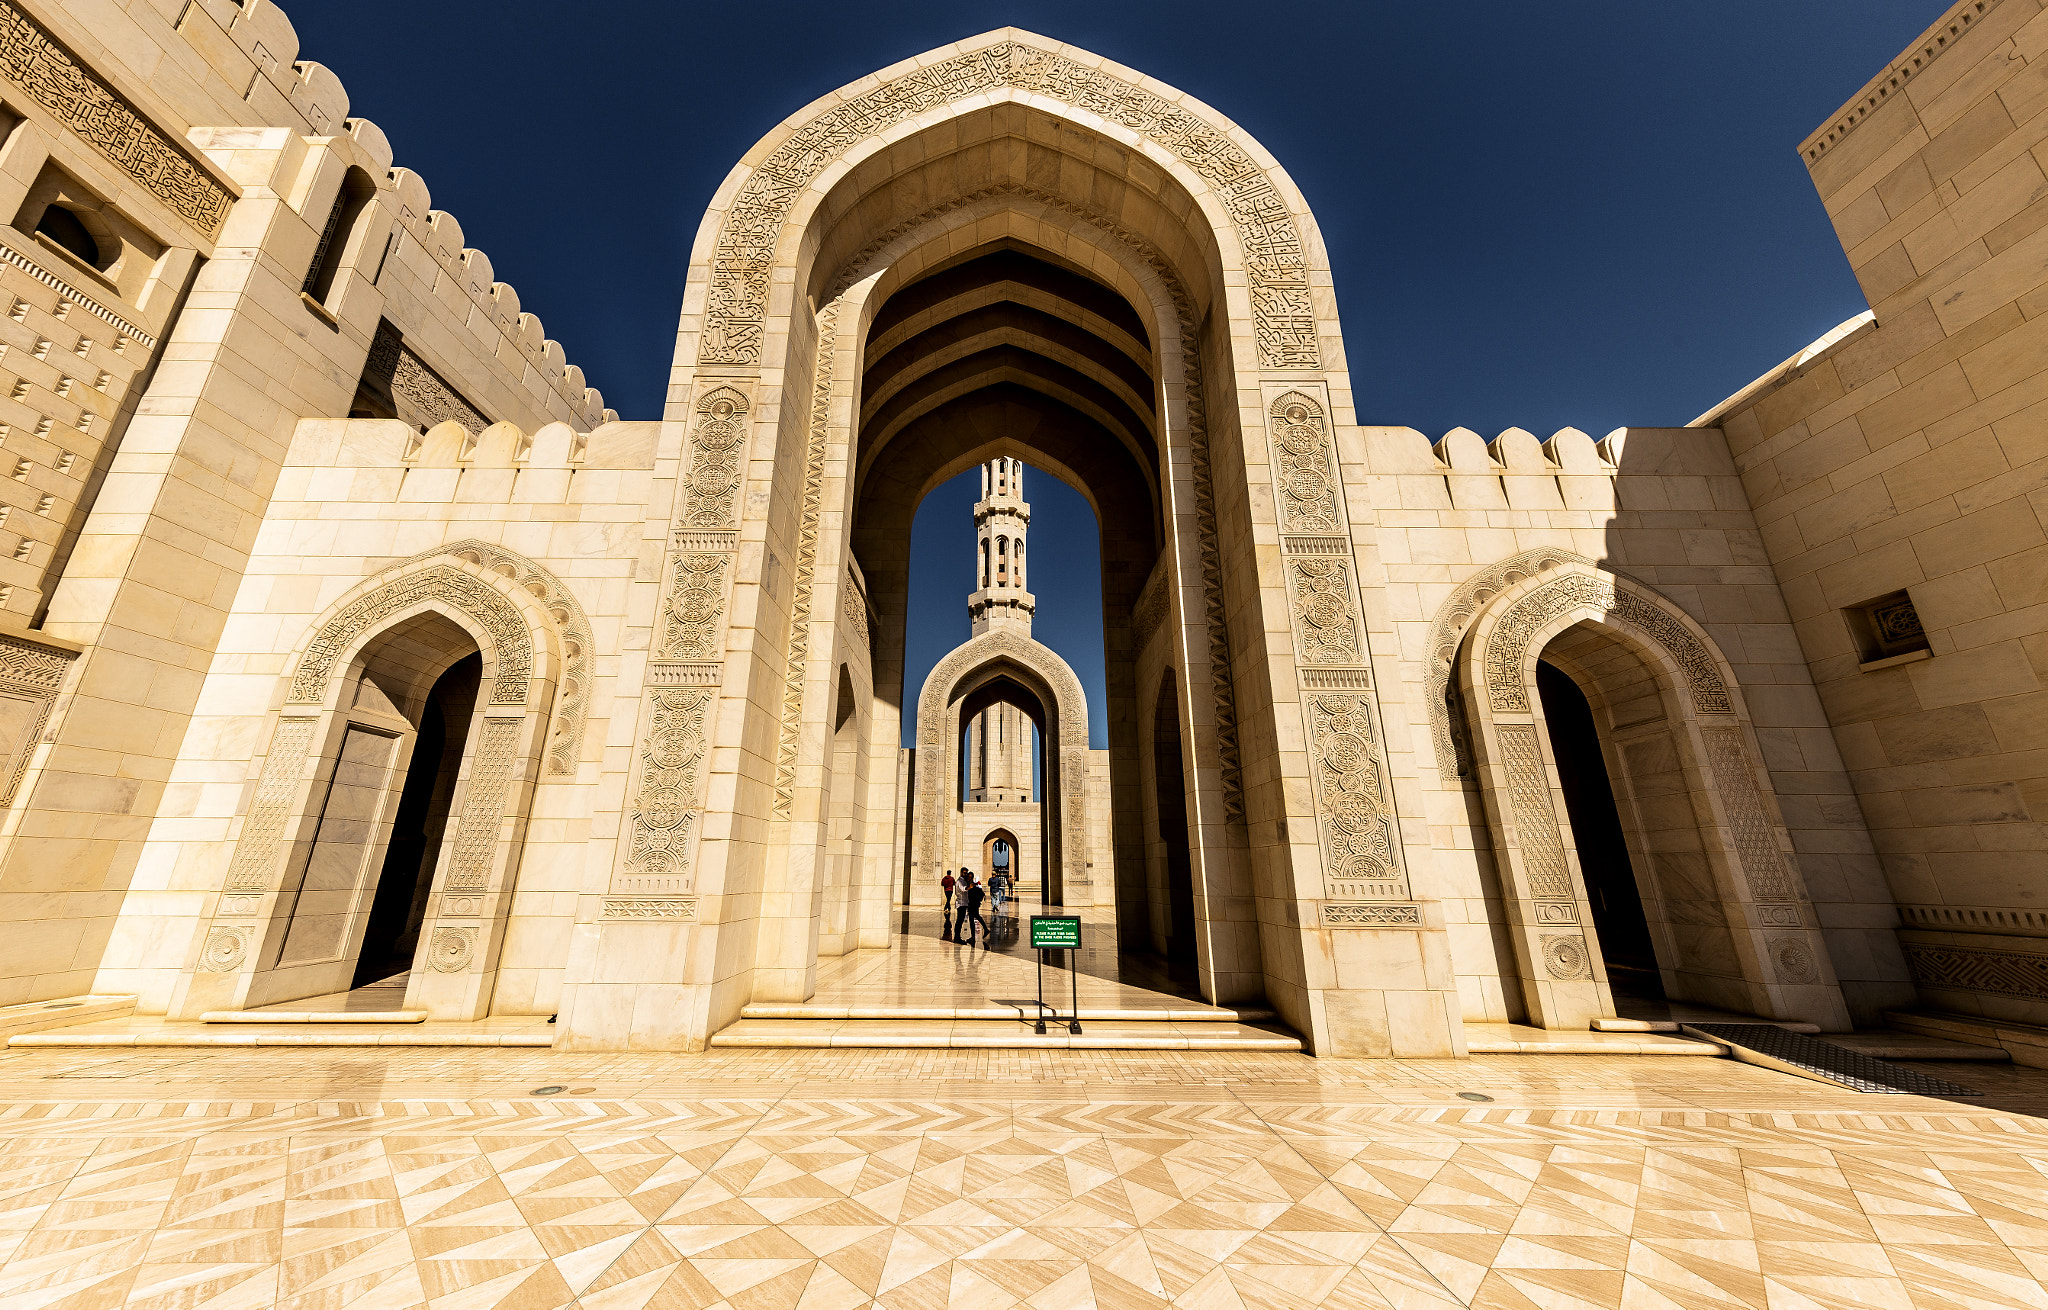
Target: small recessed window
62, 226
1887, 627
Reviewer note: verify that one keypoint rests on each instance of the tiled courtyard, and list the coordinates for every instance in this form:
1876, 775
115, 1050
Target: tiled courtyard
812, 1180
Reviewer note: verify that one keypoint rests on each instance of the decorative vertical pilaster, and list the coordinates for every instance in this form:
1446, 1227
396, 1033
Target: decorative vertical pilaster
663, 814
1364, 884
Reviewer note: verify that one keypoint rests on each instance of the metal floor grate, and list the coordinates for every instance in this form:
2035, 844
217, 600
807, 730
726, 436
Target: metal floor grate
1814, 1058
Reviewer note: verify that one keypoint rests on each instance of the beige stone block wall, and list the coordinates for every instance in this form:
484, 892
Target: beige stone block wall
348, 504
1911, 454
143, 574
1665, 508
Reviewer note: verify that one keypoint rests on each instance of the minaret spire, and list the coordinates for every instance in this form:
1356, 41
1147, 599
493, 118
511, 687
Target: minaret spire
1002, 520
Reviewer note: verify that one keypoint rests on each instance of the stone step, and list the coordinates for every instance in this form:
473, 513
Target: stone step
314, 1016
1887, 1045
997, 1012
1005, 1034
62, 1012
2026, 1043
157, 1031
1612, 1025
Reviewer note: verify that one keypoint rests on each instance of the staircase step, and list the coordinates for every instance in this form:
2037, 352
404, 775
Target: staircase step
1885, 1045
995, 1012
61, 1012
1005, 1034
314, 1016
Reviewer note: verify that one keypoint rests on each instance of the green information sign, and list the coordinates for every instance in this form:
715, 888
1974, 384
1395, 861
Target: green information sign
1055, 932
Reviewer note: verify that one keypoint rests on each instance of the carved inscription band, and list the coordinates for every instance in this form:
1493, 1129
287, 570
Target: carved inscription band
42, 66
1276, 261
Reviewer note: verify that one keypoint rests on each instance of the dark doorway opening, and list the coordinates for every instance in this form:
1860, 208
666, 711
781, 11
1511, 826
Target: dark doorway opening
1171, 801
1617, 901
400, 906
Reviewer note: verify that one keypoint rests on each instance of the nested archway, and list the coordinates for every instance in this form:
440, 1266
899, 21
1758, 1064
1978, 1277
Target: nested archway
1719, 882
1003, 666
299, 887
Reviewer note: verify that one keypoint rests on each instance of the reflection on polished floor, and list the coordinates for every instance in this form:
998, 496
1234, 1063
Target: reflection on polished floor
792, 1180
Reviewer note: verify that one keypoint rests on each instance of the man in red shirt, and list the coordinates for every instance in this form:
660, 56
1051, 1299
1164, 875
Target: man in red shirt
946, 911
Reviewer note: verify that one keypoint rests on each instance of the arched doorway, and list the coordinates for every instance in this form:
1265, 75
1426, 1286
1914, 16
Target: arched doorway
1687, 869
432, 683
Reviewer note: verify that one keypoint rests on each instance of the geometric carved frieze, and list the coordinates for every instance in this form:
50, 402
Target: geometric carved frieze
41, 66
1325, 616
1336, 679
75, 296
1370, 915
650, 907
713, 480
796, 661
1536, 830
692, 612
664, 810
1979, 969
665, 674
483, 806
1756, 841
271, 808
1357, 828
1303, 469
1276, 259
512, 643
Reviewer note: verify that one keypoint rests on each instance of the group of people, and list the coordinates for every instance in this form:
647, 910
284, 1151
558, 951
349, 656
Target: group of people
959, 924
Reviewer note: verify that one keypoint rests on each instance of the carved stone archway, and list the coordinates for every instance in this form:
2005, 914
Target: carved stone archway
1755, 944
935, 814
484, 599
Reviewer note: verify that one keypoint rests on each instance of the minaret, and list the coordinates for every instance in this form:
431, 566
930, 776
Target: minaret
1001, 522
999, 739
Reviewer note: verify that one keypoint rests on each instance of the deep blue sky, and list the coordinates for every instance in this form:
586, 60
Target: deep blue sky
1538, 214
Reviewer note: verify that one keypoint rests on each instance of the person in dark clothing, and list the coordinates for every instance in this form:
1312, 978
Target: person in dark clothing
970, 914
946, 910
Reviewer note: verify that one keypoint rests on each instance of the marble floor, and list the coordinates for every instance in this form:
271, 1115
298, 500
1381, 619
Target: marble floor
818, 1179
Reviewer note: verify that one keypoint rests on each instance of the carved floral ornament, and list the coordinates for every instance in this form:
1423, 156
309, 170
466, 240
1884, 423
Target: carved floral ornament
1275, 254
512, 642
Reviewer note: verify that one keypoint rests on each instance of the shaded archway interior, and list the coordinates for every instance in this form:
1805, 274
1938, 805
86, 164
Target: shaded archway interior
1007, 350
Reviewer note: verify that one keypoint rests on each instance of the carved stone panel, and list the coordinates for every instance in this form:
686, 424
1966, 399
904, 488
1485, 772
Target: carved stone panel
693, 612
42, 66
483, 806
1756, 839
1565, 958
255, 861
1325, 613
663, 815
395, 375
717, 453
1507, 648
1357, 826
30, 676
1535, 816
1979, 969
1303, 468
449, 949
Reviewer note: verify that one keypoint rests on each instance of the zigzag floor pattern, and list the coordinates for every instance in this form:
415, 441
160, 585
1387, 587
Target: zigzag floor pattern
803, 1181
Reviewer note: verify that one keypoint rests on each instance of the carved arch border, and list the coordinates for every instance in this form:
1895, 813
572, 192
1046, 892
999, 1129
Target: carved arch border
1230, 177
949, 682
572, 690
1447, 727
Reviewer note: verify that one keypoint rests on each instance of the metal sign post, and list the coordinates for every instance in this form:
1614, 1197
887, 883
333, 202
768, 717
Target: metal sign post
1057, 932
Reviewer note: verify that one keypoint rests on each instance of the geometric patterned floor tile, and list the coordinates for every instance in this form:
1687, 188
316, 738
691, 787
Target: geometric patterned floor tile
822, 1180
